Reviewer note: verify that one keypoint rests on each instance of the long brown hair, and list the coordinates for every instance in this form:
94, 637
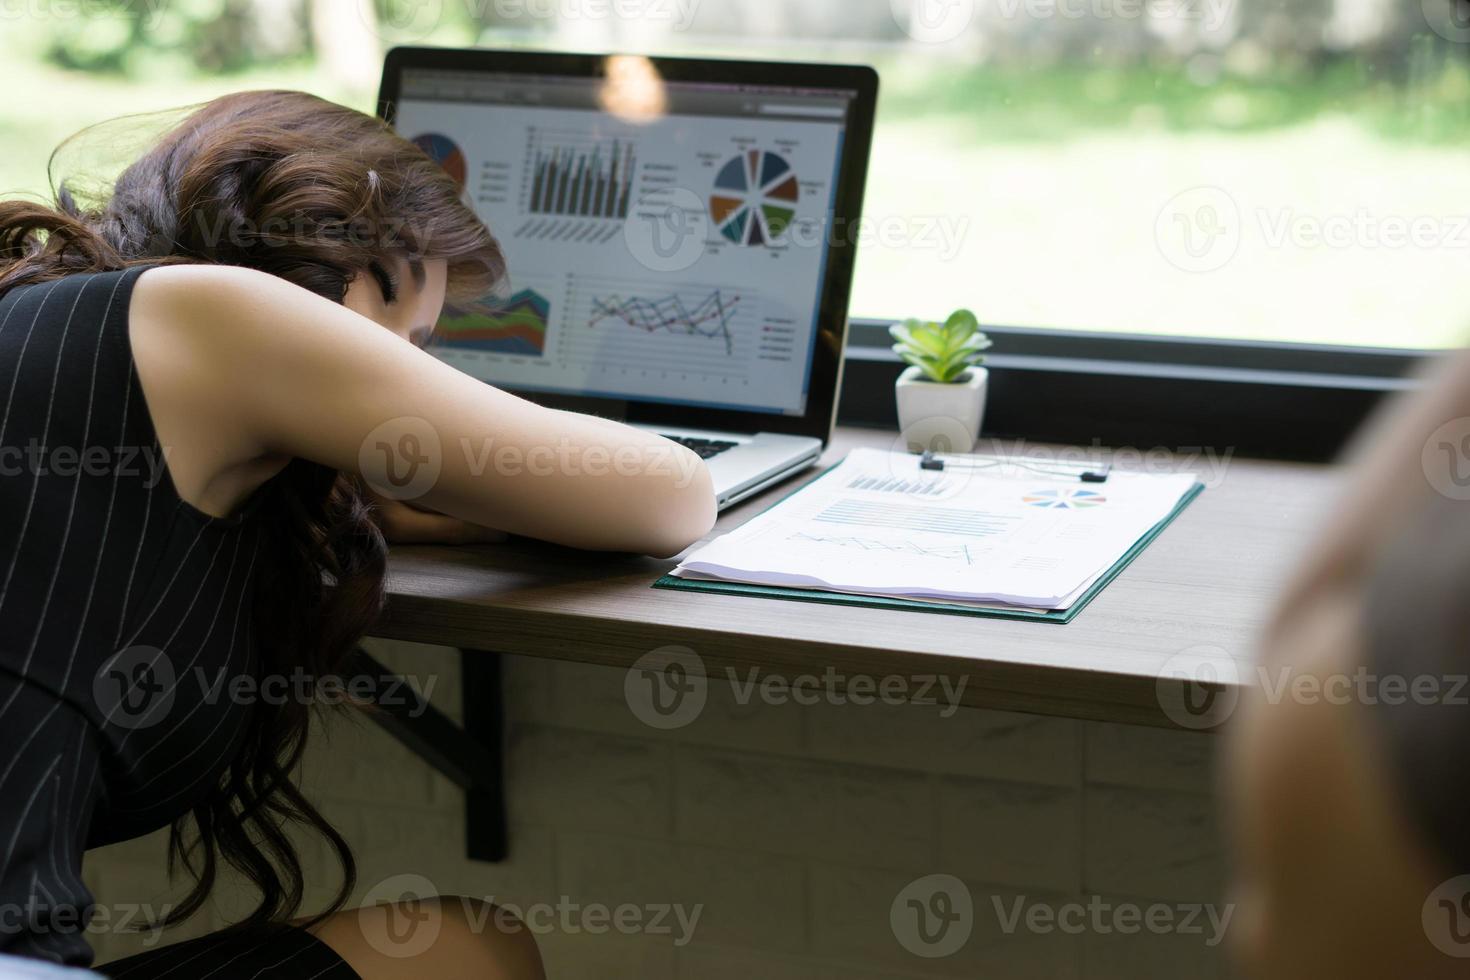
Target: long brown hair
314, 193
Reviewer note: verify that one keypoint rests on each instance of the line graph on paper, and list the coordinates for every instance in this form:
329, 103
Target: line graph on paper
960, 553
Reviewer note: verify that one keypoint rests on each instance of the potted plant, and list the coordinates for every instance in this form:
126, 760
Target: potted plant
941, 395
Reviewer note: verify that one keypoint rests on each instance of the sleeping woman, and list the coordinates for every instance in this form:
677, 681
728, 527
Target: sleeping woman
203, 378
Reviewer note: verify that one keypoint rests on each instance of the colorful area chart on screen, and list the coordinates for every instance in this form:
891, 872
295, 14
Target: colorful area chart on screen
516, 325
443, 151
754, 199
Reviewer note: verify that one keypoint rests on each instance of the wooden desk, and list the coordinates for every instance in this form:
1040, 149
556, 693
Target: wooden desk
1208, 581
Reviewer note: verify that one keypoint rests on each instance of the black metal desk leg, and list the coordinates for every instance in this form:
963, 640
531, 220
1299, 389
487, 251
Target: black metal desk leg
472, 757
486, 837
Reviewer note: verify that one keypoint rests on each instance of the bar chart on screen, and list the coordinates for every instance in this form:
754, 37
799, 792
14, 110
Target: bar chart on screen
574, 173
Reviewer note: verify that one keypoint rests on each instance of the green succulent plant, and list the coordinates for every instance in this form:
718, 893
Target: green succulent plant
943, 351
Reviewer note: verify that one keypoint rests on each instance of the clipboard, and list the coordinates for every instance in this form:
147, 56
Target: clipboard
1058, 616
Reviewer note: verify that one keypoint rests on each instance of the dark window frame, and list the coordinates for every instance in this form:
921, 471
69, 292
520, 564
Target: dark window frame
1253, 398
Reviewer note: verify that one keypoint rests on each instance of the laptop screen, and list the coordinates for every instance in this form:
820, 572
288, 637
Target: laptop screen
666, 241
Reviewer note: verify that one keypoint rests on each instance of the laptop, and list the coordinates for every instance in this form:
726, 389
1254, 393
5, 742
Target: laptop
679, 233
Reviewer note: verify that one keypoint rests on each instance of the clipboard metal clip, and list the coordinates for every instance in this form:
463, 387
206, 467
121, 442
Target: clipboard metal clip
934, 462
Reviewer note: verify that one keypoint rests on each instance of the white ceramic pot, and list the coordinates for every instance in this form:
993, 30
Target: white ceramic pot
944, 418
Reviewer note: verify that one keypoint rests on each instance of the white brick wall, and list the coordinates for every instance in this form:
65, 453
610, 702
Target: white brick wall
794, 827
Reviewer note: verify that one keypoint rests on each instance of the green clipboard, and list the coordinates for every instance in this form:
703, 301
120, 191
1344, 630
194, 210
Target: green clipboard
1060, 616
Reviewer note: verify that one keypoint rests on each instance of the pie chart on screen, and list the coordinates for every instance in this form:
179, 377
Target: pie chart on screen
443, 151
754, 200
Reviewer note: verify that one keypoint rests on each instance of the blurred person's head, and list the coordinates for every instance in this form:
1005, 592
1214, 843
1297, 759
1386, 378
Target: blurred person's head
1351, 776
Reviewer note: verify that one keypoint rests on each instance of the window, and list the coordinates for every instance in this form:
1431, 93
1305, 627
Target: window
1290, 170
1287, 170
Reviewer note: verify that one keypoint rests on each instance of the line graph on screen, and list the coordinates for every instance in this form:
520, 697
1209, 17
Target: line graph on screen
705, 329
708, 316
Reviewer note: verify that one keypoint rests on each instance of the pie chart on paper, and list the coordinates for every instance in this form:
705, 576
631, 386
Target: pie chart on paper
754, 200
1064, 499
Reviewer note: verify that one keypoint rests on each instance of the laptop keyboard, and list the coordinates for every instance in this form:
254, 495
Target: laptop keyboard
706, 448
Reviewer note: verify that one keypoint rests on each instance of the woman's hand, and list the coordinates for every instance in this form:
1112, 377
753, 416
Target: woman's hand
404, 523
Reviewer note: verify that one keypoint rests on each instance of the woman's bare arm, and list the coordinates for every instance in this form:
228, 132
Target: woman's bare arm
250, 367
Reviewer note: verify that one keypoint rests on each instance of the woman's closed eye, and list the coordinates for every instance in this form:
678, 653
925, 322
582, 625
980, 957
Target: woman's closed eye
386, 282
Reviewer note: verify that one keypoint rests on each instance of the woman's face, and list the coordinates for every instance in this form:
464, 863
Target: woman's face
404, 296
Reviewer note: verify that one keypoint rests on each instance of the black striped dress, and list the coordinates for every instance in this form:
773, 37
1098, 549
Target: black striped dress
124, 617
